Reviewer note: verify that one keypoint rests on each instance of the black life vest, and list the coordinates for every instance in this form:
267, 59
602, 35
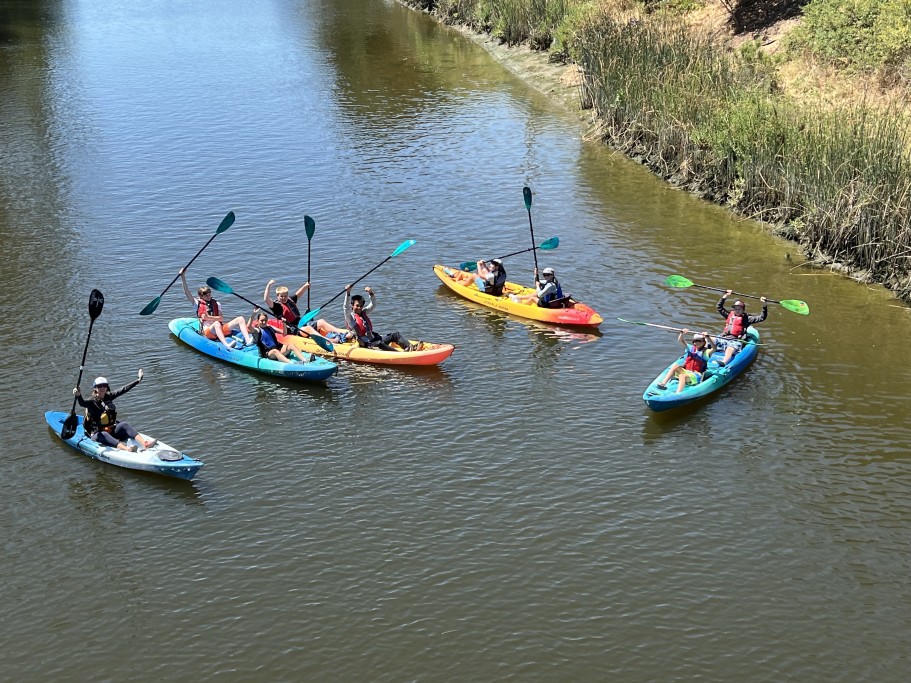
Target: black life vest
106, 422
558, 294
496, 287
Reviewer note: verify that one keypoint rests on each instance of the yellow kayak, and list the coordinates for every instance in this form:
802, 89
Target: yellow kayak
428, 353
463, 284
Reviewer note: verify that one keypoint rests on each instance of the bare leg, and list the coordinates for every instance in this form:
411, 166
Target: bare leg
240, 324
275, 354
221, 336
290, 350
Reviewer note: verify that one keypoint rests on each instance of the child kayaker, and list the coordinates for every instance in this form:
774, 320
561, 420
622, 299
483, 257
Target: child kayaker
266, 339
695, 361
735, 328
359, 322
285, 305
211, 322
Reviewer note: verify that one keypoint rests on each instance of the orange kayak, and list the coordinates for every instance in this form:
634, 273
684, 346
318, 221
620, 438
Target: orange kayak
428, 353
463, 284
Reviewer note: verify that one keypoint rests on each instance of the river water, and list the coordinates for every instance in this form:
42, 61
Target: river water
517, 513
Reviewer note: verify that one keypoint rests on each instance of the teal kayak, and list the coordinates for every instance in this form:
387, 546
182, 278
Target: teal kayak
187, 331
159, 459
714, 379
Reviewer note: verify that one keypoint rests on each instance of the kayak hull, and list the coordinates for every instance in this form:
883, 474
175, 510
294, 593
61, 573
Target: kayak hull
429, 353
175, 464
463, 284
716, 377
186, 330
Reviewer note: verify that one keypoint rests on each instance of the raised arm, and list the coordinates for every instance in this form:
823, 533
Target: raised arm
186, 289
720, 307
303, 288
267, 297
753, 319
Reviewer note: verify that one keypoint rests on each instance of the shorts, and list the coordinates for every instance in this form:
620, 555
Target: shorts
692, 377
722, 344
209, 331
338, 337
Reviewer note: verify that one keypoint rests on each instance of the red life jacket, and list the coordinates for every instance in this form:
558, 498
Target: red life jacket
695, 360
736, 324
209, 307
362, 325
290, 312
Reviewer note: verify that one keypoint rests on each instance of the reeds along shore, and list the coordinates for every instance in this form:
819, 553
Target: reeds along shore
713, 122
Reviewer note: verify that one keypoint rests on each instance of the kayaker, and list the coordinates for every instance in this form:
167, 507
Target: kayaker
100, 420
547, 290
266, 340
695, 361
286, 306
211, 321
493, 275
735, 328
359, 322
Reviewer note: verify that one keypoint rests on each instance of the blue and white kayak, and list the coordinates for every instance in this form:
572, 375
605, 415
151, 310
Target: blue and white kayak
187, 331
159, 459
715, 377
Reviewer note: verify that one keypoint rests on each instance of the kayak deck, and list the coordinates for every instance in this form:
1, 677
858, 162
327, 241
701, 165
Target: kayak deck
465, 284
186, 330
159, 459
715, 377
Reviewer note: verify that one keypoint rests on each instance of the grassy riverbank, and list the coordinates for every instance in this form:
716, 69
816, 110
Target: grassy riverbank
834, 176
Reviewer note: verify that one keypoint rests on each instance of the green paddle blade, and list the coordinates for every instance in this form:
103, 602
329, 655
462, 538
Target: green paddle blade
526, 194
402, 247
468, 266
796, 306
151, 306
226, 223
552, 243
323, 343
219, 285
678, 281
309, 227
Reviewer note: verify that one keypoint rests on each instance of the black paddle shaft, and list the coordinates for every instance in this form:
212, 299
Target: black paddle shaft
526, 193
96, 304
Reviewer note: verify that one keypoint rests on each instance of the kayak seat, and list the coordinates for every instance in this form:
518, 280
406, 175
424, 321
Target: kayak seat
562, 302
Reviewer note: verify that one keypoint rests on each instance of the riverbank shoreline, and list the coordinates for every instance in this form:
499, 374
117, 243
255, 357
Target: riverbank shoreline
563, 83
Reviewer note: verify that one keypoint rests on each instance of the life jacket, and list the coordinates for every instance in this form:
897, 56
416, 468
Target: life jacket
695, 360
547, 298
496, 287
266, 340
290, 312
209, 307
736, 324
363, 328
107, 421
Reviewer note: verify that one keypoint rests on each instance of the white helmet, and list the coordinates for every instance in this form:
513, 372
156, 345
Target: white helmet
99, 381
548, 271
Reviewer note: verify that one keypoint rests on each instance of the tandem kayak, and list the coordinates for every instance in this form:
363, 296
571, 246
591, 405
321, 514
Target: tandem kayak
715, 377
187, 331
428, 353
463, 284
159, 459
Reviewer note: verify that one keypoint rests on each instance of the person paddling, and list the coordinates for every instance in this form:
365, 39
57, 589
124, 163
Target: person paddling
359, 322
695, 361
735, 327
100, 421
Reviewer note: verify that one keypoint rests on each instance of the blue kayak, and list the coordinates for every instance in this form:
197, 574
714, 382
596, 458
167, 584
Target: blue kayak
187, 331
159, 459
715, 377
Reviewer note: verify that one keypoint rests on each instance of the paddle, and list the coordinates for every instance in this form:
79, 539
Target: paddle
552, 243
96, 303
665, 327
309, 228
310, 315
790, 304
526, 193
226, 223
222, 286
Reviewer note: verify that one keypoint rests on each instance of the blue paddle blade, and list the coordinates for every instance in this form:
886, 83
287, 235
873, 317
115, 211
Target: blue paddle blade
552, 243
219, 285
226, 223
307, 317
402, 247
468, 266
323, 343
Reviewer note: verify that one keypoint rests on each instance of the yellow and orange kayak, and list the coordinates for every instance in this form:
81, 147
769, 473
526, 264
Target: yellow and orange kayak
428, 353
463, 284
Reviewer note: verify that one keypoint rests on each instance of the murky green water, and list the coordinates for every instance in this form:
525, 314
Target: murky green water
517, 513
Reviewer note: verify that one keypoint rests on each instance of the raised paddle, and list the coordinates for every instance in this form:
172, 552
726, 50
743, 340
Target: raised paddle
552, 243
96, 303
226, 223
790, 304
526, 193
310, 315
665, 327
309, 228
222, 286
